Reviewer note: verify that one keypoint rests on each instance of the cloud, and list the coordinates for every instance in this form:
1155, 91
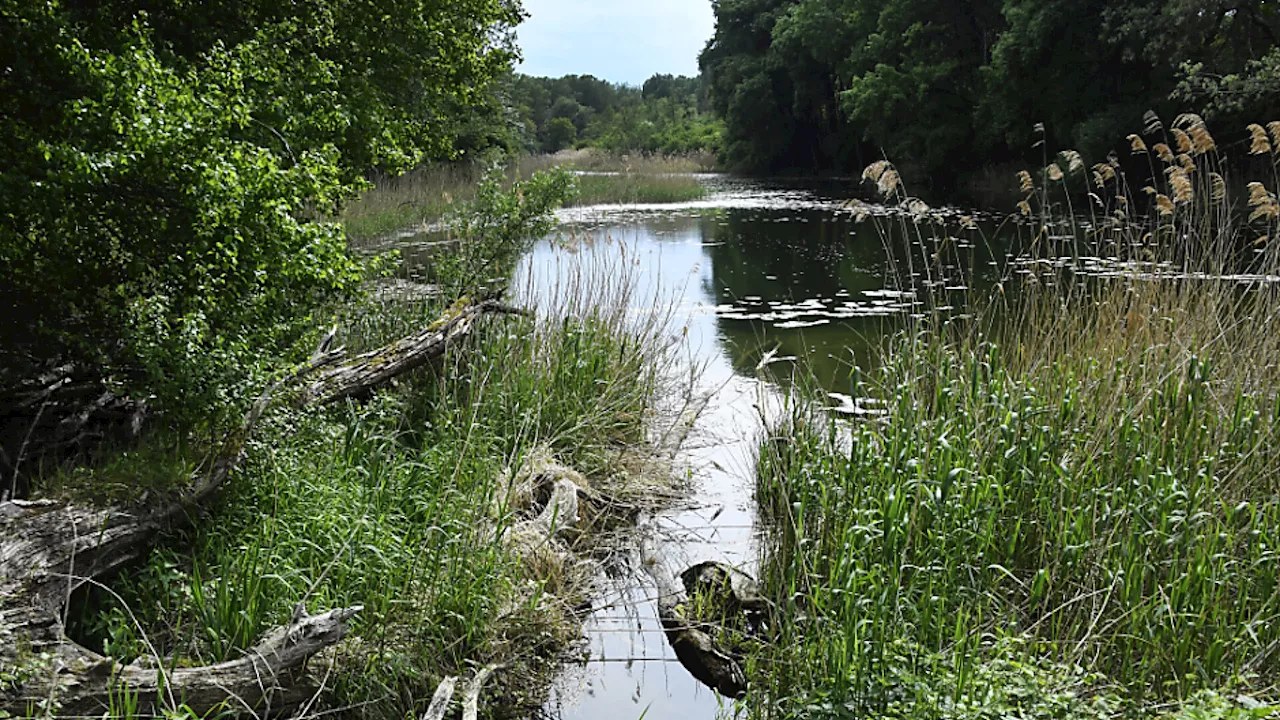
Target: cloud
618, 40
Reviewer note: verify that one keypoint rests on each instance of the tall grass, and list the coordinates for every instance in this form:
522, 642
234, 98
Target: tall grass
634, 188
391, 505
1071, 507
593, 160
425, 196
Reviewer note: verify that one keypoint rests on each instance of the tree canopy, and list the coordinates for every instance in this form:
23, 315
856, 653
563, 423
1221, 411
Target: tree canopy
668, 114
829, 85
169, 165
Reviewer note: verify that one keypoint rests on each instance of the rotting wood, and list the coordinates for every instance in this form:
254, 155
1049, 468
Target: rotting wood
699, 652
441, 700
471, 698
373, 369
49, 549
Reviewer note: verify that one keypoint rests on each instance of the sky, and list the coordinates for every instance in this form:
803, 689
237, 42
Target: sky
623, 41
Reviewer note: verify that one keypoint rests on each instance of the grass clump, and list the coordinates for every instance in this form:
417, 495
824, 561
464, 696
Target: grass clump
1070, 507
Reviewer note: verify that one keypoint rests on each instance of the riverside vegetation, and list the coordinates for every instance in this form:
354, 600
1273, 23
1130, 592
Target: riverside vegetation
425, 196
166, 255
1070, 504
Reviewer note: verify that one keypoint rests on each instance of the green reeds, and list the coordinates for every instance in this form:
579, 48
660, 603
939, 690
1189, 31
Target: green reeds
426, 195
1071, 506
637, 188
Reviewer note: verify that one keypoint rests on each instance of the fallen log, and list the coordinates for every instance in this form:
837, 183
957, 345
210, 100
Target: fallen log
696, 647
372, 369
48, 550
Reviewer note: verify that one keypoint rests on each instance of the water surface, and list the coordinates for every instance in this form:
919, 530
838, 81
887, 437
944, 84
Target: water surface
766, 279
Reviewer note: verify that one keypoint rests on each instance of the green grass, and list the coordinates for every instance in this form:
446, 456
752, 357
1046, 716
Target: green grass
427, 195
630, 189
1069, 509
390, 504
419, 197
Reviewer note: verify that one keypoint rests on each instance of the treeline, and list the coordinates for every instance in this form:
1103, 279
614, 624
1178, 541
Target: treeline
668, 114
943, 85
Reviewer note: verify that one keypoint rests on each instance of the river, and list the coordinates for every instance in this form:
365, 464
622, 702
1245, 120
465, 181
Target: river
760, 276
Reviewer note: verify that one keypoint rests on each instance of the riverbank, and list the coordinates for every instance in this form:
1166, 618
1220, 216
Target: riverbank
454, 515
427, 195
1061, 505
404, 505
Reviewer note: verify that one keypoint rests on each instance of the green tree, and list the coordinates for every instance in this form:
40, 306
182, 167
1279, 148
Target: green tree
561, 134
168, 165
822, 85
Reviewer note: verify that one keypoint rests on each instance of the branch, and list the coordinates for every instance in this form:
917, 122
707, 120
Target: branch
48, 549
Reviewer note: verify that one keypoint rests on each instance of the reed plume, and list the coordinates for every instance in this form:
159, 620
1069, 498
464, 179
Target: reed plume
1260, 145
1184, 140
1024, 181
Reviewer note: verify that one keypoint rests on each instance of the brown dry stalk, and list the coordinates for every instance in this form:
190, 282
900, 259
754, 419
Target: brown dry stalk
1260, 145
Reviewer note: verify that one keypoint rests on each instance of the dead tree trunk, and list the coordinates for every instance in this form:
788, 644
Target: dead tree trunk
48, 550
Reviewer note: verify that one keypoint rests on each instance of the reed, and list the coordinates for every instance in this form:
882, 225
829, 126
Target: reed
424, 197
1071, 505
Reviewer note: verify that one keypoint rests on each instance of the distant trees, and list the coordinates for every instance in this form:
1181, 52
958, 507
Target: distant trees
667, 114
936, 85
561, 133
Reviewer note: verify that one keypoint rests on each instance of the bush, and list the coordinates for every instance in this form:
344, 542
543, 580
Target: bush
165, 172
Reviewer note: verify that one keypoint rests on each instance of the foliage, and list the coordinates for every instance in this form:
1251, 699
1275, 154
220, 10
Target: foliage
497, 225
666, 115
561, 133
835, 84
1086, 467
165, 167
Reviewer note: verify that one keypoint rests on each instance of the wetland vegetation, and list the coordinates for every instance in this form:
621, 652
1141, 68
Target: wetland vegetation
1064, 503
339, 362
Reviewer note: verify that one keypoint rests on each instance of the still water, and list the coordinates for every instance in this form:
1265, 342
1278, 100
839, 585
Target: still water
759, 276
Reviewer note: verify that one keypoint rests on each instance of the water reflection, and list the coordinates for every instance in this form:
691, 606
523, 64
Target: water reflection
793, 285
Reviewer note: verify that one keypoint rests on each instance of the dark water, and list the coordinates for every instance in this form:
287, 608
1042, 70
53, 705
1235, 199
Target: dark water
765, 280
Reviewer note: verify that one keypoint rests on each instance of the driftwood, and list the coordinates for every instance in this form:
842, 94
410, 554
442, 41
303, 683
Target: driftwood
440, 701
49, 549
443, 697
694, 641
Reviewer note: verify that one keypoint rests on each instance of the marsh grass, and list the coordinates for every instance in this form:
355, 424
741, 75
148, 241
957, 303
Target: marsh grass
593, 160
390, 504
638, 188
425, 196
1071, 507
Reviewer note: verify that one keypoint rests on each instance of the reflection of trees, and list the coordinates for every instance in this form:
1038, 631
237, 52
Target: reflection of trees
813, 259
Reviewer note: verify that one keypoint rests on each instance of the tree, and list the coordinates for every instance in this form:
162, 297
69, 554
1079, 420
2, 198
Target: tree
665, 115
168, 168
561, 134
822, 85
